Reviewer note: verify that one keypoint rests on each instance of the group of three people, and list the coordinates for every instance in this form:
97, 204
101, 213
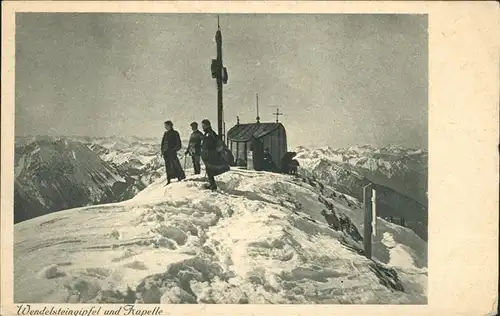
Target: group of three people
202, 146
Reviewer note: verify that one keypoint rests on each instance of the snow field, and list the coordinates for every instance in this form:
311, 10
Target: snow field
260, 239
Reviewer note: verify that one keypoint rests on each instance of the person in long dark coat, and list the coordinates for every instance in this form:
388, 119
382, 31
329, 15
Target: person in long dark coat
215, 164
170, 145
194, 147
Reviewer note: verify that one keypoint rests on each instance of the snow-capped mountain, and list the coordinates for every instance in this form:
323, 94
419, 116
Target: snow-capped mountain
401, 169
133, 155
141, 159
54, 173
130, 164
261, 238
399, 173
62, 172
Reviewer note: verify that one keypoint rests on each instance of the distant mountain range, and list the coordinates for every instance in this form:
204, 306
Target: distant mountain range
56, 173
400, 175
53, 173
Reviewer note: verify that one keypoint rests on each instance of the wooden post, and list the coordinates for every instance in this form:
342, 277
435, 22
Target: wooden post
367, 236
374, 212
224, 130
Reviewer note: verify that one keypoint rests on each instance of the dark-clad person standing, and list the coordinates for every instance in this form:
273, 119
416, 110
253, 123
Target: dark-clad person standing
268, 163
170, 145
194, 147
215, 163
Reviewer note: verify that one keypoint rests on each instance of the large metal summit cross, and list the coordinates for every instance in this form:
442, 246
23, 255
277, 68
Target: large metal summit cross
219, 72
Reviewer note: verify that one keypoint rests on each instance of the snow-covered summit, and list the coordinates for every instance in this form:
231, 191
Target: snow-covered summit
262, 238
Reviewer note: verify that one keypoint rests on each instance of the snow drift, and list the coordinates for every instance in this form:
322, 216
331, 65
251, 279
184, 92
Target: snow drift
262, 238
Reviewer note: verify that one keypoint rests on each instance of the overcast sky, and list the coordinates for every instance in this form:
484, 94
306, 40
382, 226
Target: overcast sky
340, 80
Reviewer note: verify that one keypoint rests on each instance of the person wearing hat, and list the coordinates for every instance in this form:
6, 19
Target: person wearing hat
170, 145
194, 147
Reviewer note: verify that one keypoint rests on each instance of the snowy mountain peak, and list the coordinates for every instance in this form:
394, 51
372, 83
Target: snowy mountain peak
261, 238
54, 173
400, 175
